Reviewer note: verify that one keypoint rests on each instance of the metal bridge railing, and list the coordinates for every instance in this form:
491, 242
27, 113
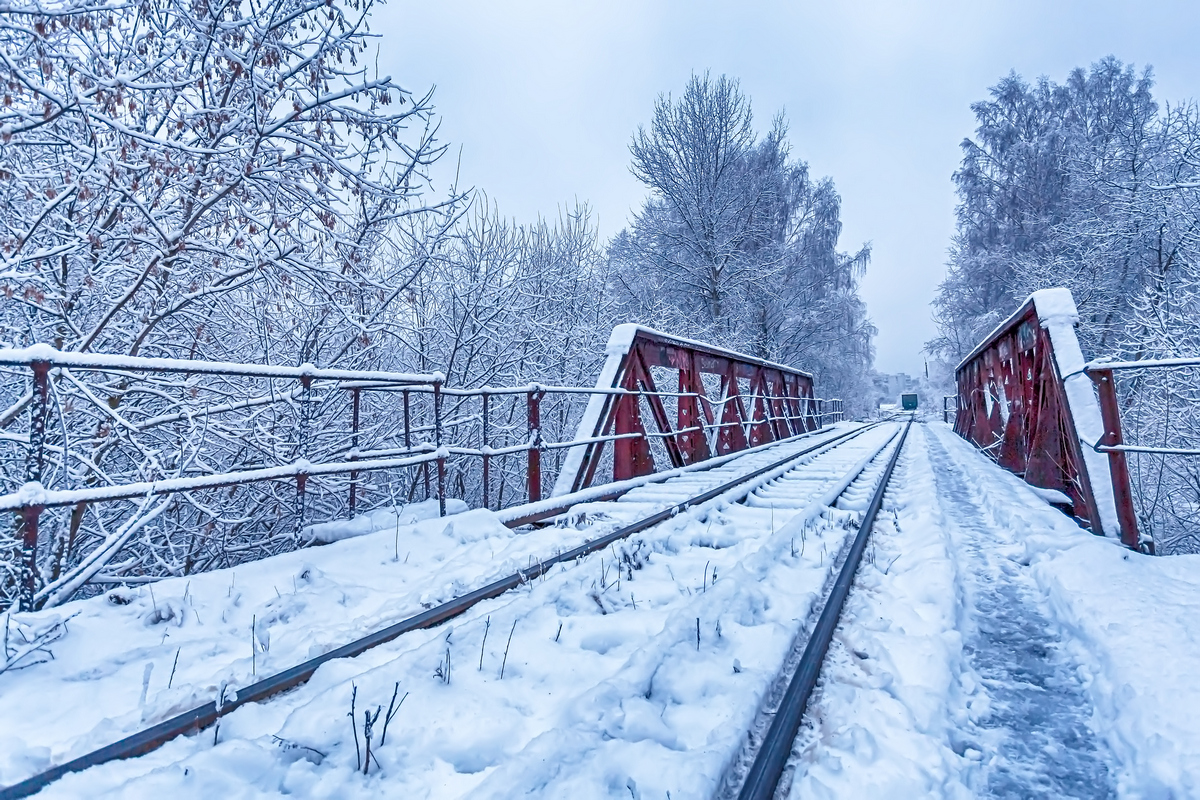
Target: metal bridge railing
1025, 398
193, 415
1024, 401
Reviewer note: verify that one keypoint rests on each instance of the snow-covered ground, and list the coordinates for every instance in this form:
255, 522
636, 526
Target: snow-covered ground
135, 657
990, 647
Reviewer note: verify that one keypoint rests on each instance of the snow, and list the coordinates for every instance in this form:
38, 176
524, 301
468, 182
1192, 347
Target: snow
383, 519
986, 633
1052, 496
557, 500
991, 647
882, 720
1128, 620
1170, 363
743, 570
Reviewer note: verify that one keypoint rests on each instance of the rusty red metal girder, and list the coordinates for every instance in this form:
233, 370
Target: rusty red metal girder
1012, 403
759, 402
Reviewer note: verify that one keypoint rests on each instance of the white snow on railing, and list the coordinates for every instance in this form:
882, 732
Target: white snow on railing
57, 358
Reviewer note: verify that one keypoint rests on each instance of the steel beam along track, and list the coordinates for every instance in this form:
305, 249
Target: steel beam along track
204, 716
762, 780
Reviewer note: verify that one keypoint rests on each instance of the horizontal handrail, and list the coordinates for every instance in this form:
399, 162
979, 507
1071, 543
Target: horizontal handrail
45, 354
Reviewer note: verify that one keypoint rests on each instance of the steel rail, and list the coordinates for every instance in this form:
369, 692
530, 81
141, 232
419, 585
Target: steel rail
208, 714
772, 757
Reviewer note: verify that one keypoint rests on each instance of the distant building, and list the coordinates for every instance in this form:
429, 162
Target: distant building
888, 388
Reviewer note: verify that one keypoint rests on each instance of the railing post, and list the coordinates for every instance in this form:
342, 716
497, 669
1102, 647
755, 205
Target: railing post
487, 453
437, 442
533, 405
301, 452
1118, 466
34, 460
354, 451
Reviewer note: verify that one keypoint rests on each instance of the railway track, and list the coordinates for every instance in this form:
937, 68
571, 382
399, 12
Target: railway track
648, 506
772, 752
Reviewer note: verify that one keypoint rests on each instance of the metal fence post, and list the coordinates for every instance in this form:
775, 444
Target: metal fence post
1118, 466
487, 453
437, 442
533, 403
354, 451
34, 460
301, 451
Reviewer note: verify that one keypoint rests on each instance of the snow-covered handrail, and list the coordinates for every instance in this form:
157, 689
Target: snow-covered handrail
1149, 363
34, 494
44, 353
780, 403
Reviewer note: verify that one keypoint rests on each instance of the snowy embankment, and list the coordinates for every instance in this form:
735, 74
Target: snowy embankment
134, 657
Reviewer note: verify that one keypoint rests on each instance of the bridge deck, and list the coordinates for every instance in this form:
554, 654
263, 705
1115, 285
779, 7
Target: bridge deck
990, 647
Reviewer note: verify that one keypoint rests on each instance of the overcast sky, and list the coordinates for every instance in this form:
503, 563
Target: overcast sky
542, 98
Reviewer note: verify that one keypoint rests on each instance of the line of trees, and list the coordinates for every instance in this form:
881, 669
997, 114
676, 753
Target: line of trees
1092, 185
235, 182
738, 244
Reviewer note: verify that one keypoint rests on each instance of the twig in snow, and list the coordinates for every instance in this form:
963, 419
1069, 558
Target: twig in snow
505, 661
368, 730
486, 627
34, 643
253, 649
173, 666
704, 580
559, 631
890, 563
697, 633
633, 601
443, 669
397, 542
393, 709
354, 726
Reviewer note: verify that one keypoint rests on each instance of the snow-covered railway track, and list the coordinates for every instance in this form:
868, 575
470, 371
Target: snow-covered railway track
733, 481
772, 751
